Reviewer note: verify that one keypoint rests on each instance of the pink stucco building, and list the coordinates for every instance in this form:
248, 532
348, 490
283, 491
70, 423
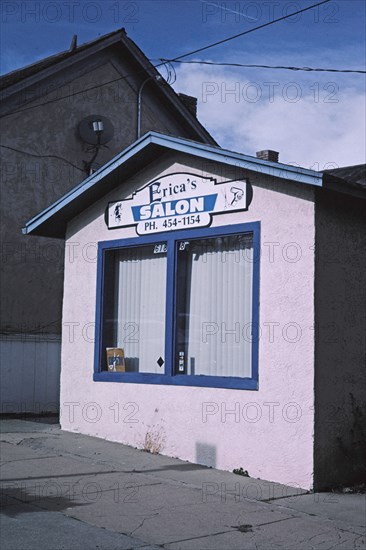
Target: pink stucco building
212, 312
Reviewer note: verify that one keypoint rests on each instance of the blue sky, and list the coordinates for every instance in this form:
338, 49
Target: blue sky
313, 119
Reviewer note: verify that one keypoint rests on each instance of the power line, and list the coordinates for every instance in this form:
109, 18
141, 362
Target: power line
41, 156
251, 30
85, 90
307, 69
172, 60
30, 331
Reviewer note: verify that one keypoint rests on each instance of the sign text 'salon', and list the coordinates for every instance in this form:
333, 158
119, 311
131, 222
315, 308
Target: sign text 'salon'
178, 201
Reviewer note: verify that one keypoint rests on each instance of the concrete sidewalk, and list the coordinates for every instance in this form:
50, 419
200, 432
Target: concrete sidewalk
68, 491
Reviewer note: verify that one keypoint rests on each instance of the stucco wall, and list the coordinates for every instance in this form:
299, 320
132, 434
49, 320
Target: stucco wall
340, 352
271, 434
42, 158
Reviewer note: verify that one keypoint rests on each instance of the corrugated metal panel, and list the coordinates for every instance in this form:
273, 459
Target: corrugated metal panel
30, 373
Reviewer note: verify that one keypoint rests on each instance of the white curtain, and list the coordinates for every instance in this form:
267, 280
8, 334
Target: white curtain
141, 299
219, 307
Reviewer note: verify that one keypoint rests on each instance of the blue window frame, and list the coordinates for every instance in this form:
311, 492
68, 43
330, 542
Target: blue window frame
192, 299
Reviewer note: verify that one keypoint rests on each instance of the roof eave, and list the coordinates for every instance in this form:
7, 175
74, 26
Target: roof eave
61, 64
118, 37
132, 157
168, 91
340, 185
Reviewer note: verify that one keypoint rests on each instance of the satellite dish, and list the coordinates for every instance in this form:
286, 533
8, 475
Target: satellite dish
95, 129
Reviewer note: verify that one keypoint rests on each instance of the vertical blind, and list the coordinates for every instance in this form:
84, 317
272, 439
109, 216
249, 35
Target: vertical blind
141, 299
214, 306
219, 307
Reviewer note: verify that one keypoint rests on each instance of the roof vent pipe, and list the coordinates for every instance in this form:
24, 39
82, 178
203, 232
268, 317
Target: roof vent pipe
74, 43
267, 154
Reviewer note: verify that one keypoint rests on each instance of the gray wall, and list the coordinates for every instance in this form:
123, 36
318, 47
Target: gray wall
42, 158
32, 267
340, 373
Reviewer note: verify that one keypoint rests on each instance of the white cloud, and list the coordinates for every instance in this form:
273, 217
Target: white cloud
326, 123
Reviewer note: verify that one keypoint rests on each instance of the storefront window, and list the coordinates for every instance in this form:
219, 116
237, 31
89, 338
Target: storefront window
214, 306
134, 311
180, 310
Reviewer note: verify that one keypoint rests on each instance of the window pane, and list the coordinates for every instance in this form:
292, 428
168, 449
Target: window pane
214, 306
134, 306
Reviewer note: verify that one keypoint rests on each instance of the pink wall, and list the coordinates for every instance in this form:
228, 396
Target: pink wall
270, 433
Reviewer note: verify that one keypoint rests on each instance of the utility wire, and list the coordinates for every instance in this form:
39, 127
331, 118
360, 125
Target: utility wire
251, 30
83, 91
175, 59
30, 331
41, 156
307, 69
163, 61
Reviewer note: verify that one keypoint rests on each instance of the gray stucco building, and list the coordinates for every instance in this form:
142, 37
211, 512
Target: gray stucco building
44, 154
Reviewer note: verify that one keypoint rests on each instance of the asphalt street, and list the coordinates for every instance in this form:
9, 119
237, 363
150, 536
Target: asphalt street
66, 491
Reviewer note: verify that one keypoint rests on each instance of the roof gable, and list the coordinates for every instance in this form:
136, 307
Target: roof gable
52, 222
21, 74
12, 85
34, 71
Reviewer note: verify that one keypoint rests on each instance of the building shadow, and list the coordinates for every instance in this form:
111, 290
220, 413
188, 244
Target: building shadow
15, 501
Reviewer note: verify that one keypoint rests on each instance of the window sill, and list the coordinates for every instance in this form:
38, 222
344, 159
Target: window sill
177, 380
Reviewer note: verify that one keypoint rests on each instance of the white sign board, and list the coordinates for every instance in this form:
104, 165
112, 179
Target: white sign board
177, 201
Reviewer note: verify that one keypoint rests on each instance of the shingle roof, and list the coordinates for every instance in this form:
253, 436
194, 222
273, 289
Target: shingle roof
16, 76
12, 82
353, 176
